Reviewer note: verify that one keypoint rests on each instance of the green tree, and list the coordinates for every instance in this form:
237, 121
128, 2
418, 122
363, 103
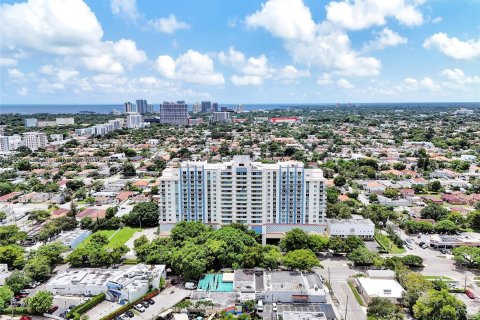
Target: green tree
434, 211
295, 239
39, 215
439, 305
6, 295
17, 281
473, 219
379, 214
23, 165
40, 303
111, 212
411, 260
446, 226
52, 251
361, 256
339, 181
469, 256
3, 215
391, 193
383, 309
87, 223
12, 255
143, 214
317, 243
5, 188
38, 267
128, 170
435, 186
302, 259
11, 234
74, 184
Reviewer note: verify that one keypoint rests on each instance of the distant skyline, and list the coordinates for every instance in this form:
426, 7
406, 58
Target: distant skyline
275, 51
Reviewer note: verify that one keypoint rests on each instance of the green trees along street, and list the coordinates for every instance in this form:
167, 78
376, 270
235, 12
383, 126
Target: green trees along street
40, 303
439, 305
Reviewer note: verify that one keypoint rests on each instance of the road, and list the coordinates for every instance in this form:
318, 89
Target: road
337, 272
164, 301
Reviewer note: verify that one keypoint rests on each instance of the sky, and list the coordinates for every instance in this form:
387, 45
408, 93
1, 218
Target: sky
239, 51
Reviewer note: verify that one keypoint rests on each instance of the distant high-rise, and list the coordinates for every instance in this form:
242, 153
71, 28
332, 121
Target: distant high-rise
206, 106
128, 107
134, 120
240, 108
142, 106
221, 117
197, 107
174, 113
215, 107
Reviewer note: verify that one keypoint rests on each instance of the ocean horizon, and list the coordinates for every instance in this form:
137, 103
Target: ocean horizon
108, 108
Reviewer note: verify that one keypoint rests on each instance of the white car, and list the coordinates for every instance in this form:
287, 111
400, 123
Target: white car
274, 307
139, 308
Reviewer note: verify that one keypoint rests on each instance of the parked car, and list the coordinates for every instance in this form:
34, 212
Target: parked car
145, 304
274, 307
25, 317
190, 286
150, 301
260, 306
139, 307
470, 294
129, 314
63, 314
52, 309
25, 291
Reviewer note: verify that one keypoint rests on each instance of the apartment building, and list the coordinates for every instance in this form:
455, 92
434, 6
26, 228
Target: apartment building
35, 140
174, 113
270, 198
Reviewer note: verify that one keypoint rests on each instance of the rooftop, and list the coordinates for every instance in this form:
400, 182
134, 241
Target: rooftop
382, 288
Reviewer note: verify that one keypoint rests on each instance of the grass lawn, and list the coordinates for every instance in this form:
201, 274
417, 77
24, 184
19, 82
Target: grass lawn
387, 244
442, 278
356, 294
114, 237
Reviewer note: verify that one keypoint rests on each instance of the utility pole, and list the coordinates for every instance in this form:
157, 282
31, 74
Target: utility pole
329, 282
346, 308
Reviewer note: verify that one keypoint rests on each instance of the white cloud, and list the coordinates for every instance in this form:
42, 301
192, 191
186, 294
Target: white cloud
324, 79
253, 70
246, 80
8, 62
192, 67
65, 28
457, 76
290, 74
437, 20
168, 25
344, 84
412, 84
15, 73
362, 14
23, 91
287, 19
323, 45
127, 8
453, 47
385, 38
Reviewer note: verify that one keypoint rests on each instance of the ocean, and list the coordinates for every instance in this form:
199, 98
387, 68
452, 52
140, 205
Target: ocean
107, 108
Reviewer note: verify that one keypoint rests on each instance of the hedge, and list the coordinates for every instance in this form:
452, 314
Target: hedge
129, 306
76, 313
16, 310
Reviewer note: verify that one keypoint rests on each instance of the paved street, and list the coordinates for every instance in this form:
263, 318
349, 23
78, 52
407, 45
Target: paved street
164, 301
337, 270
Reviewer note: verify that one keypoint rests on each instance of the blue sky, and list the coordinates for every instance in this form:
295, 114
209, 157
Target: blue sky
237, 51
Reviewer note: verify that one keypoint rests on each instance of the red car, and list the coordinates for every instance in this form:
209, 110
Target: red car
25, 317
52, 309
470, 294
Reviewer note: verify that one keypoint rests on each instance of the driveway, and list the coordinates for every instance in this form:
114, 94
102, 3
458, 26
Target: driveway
164, 301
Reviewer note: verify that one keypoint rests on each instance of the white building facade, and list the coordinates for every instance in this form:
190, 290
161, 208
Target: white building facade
256, 194
363, 228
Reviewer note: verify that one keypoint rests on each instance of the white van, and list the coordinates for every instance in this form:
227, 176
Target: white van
260, 306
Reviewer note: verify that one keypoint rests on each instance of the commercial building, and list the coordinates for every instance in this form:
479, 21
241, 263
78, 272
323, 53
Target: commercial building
222, 117
119, 285
30, 122
143, 107
293, 287
283, 120
379, 288
74, 237
363, 228
197, 107
206, 106
240, 108
46, 123
128, 107
35, 140
449, 242
215, 107
270, 198
64, 121
134, 120
174, 113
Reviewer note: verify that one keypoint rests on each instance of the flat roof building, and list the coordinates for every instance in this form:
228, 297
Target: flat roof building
363, 228
380, 288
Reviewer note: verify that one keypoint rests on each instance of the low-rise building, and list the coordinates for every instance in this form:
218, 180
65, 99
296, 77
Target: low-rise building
371, 288
119, 285
74, 237
293, 287
363, 228
4, 273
